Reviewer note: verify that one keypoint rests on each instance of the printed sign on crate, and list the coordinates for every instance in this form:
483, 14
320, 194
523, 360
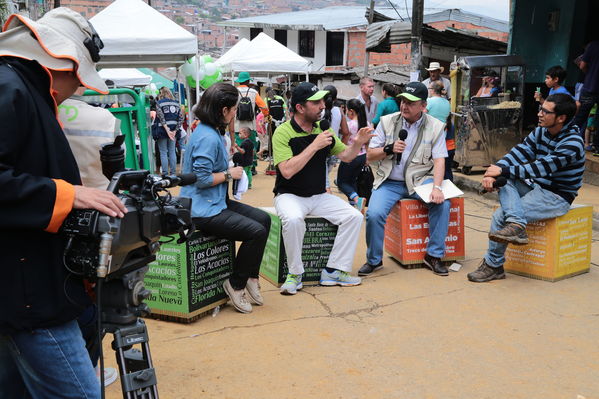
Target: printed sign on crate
406, 231
318, 242
186, 279
558, 248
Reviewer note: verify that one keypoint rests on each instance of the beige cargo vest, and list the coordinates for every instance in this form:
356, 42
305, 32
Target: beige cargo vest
419, 165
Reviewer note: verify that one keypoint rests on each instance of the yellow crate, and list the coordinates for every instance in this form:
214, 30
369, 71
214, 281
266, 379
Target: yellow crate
558, 248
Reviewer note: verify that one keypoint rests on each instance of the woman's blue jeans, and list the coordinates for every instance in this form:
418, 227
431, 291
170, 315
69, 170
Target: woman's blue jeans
168, 156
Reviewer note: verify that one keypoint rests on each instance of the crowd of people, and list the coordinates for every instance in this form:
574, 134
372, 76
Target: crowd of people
407, 138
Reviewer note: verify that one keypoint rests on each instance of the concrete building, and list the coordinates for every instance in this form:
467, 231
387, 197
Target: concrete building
335, 37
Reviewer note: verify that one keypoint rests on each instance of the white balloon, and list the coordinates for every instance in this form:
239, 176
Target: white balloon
210, 69
202, 74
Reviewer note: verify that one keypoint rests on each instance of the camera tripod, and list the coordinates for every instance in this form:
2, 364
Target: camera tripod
122, 303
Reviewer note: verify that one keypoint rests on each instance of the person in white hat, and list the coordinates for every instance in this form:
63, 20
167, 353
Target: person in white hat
42, 63
434, 73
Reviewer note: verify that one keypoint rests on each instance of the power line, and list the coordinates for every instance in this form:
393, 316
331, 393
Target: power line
407, 12
392, 5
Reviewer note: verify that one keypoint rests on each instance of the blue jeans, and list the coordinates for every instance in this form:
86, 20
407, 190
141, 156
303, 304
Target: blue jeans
587, 101
347, 176
521, 203
168, 156
379, 207
47, 363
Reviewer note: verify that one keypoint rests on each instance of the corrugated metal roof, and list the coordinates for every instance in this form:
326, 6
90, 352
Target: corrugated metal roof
346, 17
329, 18
455, 14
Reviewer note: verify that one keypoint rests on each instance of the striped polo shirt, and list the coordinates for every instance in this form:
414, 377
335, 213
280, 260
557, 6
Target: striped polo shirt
556, 163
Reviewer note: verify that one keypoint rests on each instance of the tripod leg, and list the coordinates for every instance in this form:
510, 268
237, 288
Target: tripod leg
138, 377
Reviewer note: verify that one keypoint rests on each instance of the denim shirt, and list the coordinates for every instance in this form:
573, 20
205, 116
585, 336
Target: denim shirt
205, 154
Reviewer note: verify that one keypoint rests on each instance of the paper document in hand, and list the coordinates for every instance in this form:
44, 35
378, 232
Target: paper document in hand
449, 189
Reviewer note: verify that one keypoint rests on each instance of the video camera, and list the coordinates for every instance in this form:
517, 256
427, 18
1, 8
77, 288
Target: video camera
103, 246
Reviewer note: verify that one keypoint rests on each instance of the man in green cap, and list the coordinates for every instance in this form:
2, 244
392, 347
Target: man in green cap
246, 114
408, 150
300, 148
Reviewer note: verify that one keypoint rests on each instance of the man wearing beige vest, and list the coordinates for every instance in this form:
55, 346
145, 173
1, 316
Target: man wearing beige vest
400, 165
87, 128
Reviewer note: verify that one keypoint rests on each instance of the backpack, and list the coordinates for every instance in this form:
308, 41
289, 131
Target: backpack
245, 109
275, 109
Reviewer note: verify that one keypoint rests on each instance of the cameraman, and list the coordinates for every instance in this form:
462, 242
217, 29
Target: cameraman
41, 349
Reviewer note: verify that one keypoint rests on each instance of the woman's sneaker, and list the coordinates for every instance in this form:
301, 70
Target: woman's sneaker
237, 297
252, 289
338, 277
292, 284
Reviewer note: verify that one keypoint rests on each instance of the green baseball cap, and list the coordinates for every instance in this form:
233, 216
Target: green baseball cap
307, 91
415, 91
243, 77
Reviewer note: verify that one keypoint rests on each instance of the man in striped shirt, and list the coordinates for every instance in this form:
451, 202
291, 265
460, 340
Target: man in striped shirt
544, 174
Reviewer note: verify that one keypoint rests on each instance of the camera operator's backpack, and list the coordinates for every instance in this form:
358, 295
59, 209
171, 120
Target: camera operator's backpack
245, 110
275, 108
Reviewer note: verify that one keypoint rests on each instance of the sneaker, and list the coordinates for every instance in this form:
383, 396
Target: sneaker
252, 289
293, 283
338, 277
513, 233
435, 265
110, 375
237, 297
367, 269
486, 273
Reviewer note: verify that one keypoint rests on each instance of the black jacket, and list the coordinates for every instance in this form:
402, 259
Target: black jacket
37, 174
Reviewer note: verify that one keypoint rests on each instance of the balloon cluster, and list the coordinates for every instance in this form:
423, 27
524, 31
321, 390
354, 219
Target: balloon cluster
151, 90
209, 72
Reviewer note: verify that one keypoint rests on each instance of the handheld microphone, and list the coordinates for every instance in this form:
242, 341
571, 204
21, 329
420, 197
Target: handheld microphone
237, 161
402, 135
325, 125
499, 182
183, 179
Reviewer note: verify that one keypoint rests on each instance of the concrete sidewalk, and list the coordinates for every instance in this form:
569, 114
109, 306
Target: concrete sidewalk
401, 334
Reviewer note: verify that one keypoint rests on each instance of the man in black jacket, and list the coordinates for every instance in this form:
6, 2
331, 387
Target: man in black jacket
41, 64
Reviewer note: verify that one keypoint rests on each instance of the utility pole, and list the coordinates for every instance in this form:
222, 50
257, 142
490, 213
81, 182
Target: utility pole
367, 56
416, 47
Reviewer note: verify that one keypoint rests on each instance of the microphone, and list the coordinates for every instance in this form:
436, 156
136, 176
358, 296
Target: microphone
499, 182
237, 161
325, 125
183, 179
402, 135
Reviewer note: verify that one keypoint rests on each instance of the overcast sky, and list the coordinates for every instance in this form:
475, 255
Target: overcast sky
498, 9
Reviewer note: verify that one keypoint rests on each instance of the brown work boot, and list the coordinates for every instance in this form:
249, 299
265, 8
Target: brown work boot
486, 273
513, 233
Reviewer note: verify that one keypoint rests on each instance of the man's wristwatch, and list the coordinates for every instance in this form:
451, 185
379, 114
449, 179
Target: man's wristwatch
438, 187
388, 149
227, 175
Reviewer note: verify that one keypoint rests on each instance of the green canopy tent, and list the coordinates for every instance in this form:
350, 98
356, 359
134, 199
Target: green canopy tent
157, 78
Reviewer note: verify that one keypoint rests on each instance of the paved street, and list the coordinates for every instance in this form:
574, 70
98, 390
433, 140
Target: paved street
401, 334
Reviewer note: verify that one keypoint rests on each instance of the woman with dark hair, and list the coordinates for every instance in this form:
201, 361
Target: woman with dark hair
389, 105
213, 212
170, 118
347, 175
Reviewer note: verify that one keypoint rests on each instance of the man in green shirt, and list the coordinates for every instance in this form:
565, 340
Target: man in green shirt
300, 150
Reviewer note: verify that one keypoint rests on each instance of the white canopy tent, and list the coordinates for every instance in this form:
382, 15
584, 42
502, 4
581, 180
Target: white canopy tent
125, 76
265, 54
136, 35
238, 50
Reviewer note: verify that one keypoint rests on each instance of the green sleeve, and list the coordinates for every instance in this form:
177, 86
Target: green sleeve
338, 147
379, 112
280, 145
